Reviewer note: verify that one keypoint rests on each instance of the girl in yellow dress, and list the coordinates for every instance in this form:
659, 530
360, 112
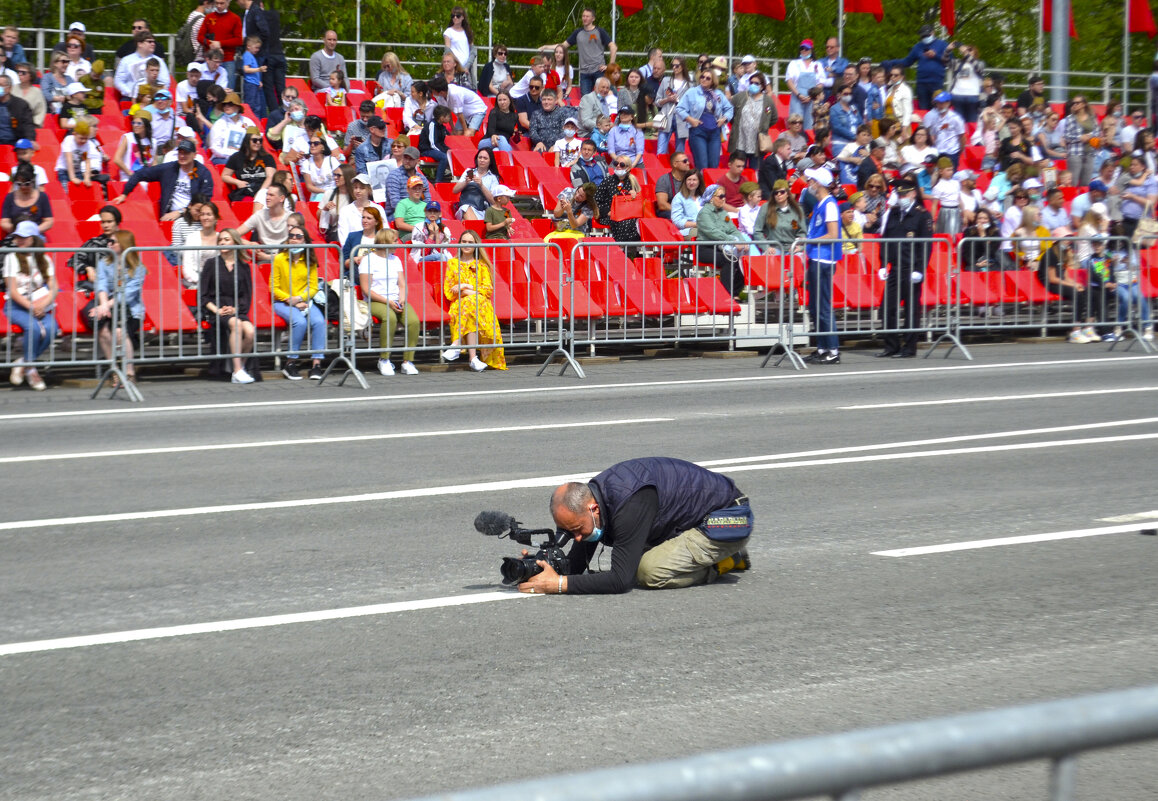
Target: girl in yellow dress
469, 287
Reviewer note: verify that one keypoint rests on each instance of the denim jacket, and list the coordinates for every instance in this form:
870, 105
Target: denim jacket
131, 291
692, 105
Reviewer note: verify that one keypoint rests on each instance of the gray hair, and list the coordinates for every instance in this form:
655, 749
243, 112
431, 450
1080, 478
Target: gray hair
572, 496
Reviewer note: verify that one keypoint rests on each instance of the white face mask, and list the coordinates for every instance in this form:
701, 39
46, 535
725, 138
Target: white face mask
907, 203
619, 171
569, 133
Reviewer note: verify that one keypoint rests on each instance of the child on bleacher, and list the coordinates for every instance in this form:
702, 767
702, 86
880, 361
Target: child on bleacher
24, 151
73, 107
498, 219
432, 233
599, 135
253, 65
187, 90
80, 159
566, 150
337, 90
94, 82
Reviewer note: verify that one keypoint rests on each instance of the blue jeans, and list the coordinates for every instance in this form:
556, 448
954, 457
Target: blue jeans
587, 82
255, 98
925, 94
503, 145
298, 323
38, 334
968, 106
663, 144
1131, 295
820, 303
443, 164
705, 147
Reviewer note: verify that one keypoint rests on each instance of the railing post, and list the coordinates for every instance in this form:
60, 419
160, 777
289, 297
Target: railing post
1063, 774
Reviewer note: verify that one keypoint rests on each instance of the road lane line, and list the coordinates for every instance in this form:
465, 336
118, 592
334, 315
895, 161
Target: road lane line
1024, 432
998, 398
999, 541
114, 637
278, 443
811, 376
536, 481
1151, 515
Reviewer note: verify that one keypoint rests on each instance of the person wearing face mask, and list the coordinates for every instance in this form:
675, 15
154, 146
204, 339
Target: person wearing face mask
566, 150
625, 140
706, 111
620, 183
754, 113
590, 168
803, 74
928, 54
228, 134
292, 115
844, 119
669, 524
908, 219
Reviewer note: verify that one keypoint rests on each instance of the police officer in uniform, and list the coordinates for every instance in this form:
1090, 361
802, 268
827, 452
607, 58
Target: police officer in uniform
669, 523
906, 219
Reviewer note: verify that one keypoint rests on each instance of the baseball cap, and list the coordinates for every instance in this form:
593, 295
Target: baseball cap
820, 175
571, 121
628, 110
185, 131
23, 144
846, 206
965, 175
1099, 208
879, 143
74, 87
503, 191
27, 228
806, 44
193, 66
932, 159
362, 178
925, 30
186, 146
1031, 183
414, 180
412, 151
163, 93
78, 26
434, 206
376, 122
748, 59
1096, 185
943, 97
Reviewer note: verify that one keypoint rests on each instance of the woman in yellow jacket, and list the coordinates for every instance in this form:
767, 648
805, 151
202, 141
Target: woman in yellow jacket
293, 280
469, 287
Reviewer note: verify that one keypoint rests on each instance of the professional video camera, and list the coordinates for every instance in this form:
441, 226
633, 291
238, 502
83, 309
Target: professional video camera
517, 570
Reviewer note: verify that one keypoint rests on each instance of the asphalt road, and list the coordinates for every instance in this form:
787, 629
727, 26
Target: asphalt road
339, 499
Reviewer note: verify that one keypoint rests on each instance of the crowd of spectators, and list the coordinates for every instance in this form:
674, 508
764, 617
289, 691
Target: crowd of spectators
1012, 167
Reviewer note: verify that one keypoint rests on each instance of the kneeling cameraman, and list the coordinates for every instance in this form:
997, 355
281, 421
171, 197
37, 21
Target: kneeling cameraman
670, 523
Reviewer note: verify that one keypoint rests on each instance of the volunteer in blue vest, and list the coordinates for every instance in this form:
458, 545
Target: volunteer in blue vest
822, 259
669, 523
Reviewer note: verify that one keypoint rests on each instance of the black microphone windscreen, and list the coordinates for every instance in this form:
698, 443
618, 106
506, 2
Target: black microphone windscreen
493, 523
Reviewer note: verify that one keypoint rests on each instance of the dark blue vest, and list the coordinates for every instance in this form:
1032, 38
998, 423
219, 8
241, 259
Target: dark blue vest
687, 493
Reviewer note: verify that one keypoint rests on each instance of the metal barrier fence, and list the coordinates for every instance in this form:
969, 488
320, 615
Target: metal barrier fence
842, 766
65, 334
1091, 285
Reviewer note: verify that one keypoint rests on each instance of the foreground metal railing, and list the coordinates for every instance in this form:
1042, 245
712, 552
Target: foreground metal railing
843, 765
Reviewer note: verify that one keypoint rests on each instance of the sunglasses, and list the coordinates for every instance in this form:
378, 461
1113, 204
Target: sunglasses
312, 143
705, 78
780, 192
295, 235
24, 183
457, 16
500, 52
74, 44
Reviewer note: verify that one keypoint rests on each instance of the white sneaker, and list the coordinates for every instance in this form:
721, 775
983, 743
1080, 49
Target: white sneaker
241, 377
16, 375
385, 367
1078, 337
35, 381
1091, 334
477, 364
450, 354
1148, 333
408, 368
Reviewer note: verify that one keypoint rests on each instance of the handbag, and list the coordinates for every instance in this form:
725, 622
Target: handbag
626, 208
764, 142
1147, 226
360, 311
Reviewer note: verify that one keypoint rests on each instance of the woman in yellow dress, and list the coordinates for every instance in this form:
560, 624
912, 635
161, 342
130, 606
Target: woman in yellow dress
472, 317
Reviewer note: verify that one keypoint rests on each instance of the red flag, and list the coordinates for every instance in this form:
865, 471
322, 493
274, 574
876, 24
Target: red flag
768, 8
1047, 18
865, 7
1141, 20
629, 7
948, 16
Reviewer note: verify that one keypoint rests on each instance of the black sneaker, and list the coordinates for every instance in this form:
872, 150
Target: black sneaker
829, 357
291, 370
316, 373
814, 357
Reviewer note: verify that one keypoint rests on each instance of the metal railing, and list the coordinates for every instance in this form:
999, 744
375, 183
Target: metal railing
421, 58
842, 766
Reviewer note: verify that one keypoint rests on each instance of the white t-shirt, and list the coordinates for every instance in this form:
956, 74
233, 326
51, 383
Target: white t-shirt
913, 155
220, 77
41, 175
459, 45
182, 192
185, 93
463, 102
27, 285
68, 149
947, 193
748, 216
350, 220
568, 150
385, 272
322, 176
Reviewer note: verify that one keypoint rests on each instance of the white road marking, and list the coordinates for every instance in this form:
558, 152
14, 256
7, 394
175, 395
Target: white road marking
1151, 515
810, 375
537, 481
1024, 432
278, 443
999, 398
254, 622
999, 541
